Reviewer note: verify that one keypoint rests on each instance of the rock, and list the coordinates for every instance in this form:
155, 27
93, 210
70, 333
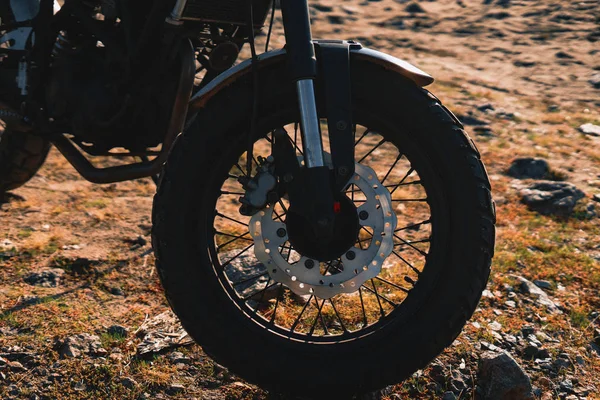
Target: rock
543, 354
16, 366
529, 168
178, 357
510, 304
595, 81
175, 388
527, 330
161, 332
590, 129
566, 386
596, 197
414, 8
78, 345
552, 198
530, 351
118, 331
249, 276
45, 278
543, 284
500, 378
116, 291
129, 383
541, 298
563, 55
495, 326
486, 107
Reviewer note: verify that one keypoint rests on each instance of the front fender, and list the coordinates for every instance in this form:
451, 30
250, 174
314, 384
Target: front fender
233, 74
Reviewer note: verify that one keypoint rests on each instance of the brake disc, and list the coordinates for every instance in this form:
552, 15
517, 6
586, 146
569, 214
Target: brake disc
357, 265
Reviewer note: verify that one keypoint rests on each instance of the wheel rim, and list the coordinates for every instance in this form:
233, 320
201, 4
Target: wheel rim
406, 275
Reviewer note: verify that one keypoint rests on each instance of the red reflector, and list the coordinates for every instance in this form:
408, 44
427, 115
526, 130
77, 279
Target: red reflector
337, 207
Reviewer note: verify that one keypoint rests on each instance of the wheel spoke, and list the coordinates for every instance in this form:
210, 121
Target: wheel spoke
361, 138
413, 242
297, 320
234, 239
319, 317
262, 292
391, 168
231, 219
223, 192
279, 294
234, 236
410, 245
338, 315
407, 263
372, 150
427, 221
392, 284
410, 171
362, 305
250, 279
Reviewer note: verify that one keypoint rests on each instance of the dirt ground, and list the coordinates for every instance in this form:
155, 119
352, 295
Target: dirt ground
518, 73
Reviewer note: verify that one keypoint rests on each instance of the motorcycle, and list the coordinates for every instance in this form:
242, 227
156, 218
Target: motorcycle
323, 225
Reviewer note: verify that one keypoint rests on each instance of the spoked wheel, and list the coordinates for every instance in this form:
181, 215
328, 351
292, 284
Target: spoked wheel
268, 265
268, 300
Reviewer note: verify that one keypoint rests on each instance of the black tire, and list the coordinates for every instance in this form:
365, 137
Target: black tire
184, 205
21, 156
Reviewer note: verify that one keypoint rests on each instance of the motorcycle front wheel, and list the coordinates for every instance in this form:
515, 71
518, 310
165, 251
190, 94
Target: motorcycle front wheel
352, 340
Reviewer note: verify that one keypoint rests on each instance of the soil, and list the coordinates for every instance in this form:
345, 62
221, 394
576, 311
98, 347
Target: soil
518, 73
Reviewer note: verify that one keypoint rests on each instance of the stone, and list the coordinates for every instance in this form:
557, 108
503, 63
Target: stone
250, 276
495, 326
529, 168
510, 304
118, 331
129, 383
541, 298
46, 278
590, 129
175, 388
552, 198
530, 351
414, 8
500, 377
77, 345
178, 357
566, 386
542, 284
527, 330
595, 81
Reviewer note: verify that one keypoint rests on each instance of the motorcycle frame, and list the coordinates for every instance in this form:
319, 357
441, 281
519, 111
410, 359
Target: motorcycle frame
301, 63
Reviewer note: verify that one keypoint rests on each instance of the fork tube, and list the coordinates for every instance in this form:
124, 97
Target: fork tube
302, 64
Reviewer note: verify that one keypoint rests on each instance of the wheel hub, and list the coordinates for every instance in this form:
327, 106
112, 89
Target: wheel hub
345, 232
357, 265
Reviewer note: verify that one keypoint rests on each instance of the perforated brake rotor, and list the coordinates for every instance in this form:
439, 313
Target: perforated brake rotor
304, 276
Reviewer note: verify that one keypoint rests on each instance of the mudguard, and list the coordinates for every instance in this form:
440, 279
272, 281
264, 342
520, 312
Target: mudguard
357, 52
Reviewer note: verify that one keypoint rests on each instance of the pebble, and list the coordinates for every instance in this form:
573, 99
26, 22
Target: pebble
590, 129
175, 388
543, 284
495, 326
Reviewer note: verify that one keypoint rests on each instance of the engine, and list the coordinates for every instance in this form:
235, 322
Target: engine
102, 96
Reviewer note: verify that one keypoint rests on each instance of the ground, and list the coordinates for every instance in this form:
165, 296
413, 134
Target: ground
519, 74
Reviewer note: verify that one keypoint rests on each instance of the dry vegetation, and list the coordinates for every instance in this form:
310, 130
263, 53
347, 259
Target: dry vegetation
509, 54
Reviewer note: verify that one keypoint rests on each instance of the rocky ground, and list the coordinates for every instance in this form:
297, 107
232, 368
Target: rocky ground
81, 310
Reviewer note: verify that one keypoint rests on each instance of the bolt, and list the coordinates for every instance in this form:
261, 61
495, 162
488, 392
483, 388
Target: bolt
343, 171
309, 264
281, 232
287, 178
363, 215
350, 255
341, 125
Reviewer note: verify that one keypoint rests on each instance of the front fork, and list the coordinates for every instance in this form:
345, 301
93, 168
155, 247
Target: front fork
303, 69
